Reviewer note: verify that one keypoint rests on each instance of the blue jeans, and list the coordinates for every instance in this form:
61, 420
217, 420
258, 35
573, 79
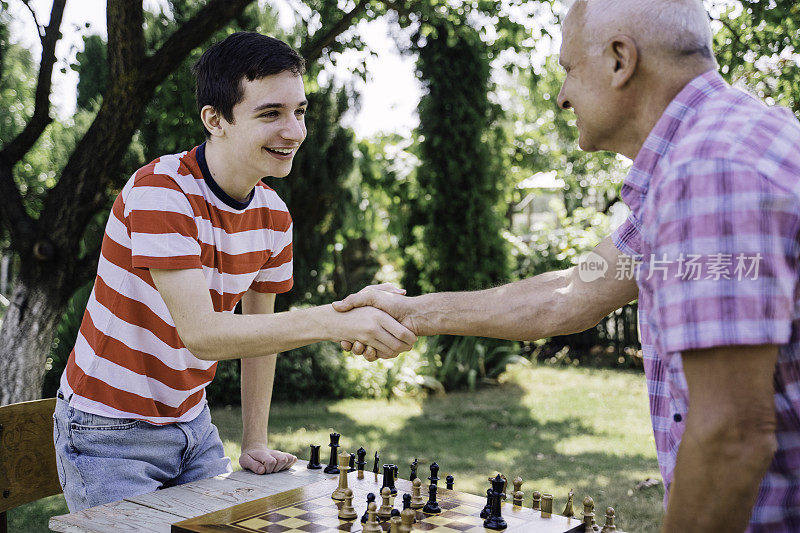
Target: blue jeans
101, 460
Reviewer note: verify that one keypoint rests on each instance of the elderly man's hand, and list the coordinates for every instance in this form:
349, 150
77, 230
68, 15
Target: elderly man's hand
385, 297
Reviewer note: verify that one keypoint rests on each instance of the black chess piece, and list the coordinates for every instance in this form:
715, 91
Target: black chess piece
370, 499
487, 509
407, 502
432, 507
395, 512
450, 480
352, 466
388, 478
332, 467
375, 466
413, 474
495, 520
313, 462
434, 474
361, 453
396, 471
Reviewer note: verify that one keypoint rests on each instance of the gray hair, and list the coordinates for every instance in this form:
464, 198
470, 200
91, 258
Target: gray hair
676, 27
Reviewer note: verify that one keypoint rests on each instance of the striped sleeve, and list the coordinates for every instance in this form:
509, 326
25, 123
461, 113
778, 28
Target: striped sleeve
627, 238
276, 274
160, 221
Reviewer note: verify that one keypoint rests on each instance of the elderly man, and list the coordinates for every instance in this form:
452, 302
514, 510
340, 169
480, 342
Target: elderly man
714, 222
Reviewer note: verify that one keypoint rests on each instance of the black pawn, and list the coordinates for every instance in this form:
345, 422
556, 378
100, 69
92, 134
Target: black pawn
352, 466
407, 503
434, 473
487, 510
370, 499
360, 462
449, 480
432, 507
332, 467
313, 462
375, 466
395, 512
495, 520
388, 478
413, 474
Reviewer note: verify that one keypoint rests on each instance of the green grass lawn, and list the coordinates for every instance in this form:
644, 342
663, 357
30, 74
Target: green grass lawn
557, 428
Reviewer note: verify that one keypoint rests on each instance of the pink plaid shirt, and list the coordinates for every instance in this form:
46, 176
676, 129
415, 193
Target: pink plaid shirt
715, 218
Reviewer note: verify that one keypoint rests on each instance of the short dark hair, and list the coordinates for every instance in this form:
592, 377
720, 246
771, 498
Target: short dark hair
251, 55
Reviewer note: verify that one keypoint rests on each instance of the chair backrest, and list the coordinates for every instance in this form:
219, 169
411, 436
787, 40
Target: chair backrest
27, 455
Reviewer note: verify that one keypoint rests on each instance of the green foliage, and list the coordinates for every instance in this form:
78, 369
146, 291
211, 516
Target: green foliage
92, 69
461, 197
65, 340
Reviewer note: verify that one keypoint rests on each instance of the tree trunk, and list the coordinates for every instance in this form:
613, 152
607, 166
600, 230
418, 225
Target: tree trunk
29, 326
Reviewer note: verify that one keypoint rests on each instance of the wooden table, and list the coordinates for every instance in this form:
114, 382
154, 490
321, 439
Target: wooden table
155, 512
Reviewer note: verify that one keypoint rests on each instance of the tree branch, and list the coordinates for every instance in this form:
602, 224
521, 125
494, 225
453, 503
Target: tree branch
17, 148
313, 51
35, 20
214, 16
124, 20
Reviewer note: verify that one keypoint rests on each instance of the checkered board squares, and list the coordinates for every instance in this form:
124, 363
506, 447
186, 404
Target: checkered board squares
321, 514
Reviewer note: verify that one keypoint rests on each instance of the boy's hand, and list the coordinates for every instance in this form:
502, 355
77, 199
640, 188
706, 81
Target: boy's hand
372, 327
263, 460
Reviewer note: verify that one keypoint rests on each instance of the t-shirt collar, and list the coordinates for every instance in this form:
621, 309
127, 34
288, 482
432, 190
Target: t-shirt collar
214, 186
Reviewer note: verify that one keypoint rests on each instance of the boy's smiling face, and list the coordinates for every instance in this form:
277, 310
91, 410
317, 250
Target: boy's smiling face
268, 125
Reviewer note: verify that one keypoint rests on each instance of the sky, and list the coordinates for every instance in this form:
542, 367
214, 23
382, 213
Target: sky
388, 100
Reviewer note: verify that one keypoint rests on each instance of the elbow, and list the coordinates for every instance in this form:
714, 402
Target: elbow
748, 442
197, 341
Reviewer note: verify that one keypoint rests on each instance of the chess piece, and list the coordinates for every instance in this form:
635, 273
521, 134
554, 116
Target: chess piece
375, 466
434, 473
588, 513
372, 525
450, 480
396, 471
334, 446
413, 475
609, 525
537, 500
407, 505
496, 520
385, 510
370, 499
417, 502
547, 505
487, 509
338, 493
518, 495
352, 466
347, 511
407, 519
432, 506
313, 461
394, 524
568, 512
388, 479
360, 462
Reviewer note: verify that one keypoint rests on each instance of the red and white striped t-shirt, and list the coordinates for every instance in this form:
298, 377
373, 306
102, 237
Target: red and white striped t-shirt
128, 361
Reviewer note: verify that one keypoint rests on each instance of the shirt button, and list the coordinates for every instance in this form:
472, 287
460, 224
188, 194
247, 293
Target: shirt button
677, 417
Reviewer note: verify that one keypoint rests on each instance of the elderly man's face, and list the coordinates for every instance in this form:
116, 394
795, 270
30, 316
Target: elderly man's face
586, 86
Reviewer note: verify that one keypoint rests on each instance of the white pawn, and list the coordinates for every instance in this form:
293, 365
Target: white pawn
372, 525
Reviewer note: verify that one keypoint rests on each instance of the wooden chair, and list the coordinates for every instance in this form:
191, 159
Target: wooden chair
27, 455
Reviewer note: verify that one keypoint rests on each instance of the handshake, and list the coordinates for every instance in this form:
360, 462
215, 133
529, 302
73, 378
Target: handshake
381, 321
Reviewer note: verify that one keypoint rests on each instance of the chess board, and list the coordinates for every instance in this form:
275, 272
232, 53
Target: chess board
310, 509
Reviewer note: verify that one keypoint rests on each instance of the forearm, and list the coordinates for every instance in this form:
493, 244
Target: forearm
219, 336
716, 481
257, 378
549, 304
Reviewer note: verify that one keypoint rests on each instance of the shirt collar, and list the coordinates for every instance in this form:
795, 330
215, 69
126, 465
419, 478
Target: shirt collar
662, 137
227, 199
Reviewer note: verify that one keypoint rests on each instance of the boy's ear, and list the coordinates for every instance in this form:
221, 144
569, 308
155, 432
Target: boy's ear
212, 121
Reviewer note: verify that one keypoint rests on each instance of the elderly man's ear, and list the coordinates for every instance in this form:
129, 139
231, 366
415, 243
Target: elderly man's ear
623, 57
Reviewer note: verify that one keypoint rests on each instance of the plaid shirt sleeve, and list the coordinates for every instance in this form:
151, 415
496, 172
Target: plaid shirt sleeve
724, 264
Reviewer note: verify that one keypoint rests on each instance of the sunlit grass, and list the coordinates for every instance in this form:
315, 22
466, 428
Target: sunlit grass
557, 428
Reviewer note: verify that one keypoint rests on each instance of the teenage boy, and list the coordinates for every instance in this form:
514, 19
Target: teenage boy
190, 236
